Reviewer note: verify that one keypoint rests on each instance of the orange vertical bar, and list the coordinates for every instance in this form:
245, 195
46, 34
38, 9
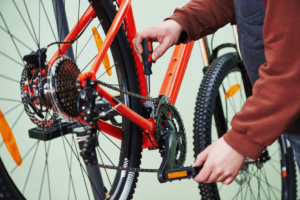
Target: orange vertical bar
112, 32
9, 140
174, 75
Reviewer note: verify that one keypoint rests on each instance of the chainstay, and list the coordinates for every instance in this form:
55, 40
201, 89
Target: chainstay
128, 93
120, 168
130, 169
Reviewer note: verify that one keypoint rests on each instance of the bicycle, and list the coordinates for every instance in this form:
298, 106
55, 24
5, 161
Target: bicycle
45, 101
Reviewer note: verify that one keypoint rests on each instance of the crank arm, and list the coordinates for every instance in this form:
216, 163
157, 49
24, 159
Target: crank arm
182, 173
170, 142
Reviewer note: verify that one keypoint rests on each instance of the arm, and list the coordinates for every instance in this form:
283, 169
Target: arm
203, 17
196, 19
275, 102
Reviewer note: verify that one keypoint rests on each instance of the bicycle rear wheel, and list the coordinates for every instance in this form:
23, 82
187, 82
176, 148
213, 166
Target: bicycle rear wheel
55, 165
222, 93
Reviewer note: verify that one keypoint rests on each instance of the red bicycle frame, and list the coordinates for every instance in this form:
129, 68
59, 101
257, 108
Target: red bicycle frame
171, 83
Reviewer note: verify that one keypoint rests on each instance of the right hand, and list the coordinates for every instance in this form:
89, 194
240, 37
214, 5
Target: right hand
166, 33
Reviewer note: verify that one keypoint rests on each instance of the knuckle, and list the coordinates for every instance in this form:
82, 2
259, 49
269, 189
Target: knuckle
219, 171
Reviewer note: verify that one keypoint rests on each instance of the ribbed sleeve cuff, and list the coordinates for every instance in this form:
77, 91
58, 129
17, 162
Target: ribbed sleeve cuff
243, 145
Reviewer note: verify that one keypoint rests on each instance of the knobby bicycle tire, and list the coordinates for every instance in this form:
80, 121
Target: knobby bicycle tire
124, 183
212, 120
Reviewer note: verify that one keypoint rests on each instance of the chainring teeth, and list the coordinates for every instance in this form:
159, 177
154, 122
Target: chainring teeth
180, 131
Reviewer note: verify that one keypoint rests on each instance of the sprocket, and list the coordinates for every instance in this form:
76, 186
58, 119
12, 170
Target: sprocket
167, 111
65, 79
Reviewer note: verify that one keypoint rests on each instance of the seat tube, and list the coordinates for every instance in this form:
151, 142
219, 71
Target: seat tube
204, 51
62, 24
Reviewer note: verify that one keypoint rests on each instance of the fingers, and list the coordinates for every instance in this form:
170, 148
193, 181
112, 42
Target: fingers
228, 180
137, 52
206, 171
137, 41
201, 158
204, 174
161, 49
211, 174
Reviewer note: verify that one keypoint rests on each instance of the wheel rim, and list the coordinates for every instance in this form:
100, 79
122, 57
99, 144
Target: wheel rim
22, 30
254, 181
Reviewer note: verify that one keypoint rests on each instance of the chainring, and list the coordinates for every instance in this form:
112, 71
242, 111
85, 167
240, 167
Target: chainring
167, 111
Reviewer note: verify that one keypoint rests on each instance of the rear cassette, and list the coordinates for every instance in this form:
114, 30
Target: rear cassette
64, 78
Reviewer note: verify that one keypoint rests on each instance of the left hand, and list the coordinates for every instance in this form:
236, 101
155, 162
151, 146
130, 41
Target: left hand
222, 163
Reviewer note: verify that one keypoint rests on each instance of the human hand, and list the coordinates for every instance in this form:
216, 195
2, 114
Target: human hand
166, 33
222, 163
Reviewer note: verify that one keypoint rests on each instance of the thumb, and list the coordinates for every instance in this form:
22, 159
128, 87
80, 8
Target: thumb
201, 158
160, 50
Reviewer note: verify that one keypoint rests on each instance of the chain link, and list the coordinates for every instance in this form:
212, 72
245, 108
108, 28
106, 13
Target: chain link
154, 100
120, 168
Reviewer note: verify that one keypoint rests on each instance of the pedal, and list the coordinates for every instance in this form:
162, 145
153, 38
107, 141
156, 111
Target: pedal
182, 173
171, 140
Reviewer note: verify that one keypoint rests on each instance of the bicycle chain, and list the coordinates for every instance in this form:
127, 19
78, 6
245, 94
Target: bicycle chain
120, 168
154, 100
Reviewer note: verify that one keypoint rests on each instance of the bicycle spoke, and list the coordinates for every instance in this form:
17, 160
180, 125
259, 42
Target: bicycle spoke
88, 63
86, 43
27, 153
6, 77
77, 30
24, 22
71, 153
77, 157
271, 187
13, 40
111, 141
266, 179
13, 108
80, 167
232, 98
264, 192
246, 192
274, 153
29, 171
17, 119
104, 168
70, 174
106, 156
16, 39
275, 168
244, 185
49, 21
42, 182
221, 187
107, 70
11, 59
31, 22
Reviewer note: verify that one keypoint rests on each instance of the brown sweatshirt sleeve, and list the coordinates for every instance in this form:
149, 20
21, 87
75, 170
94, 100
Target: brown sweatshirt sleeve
203, 17
275, 102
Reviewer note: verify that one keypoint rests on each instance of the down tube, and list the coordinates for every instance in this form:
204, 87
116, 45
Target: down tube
176, 70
